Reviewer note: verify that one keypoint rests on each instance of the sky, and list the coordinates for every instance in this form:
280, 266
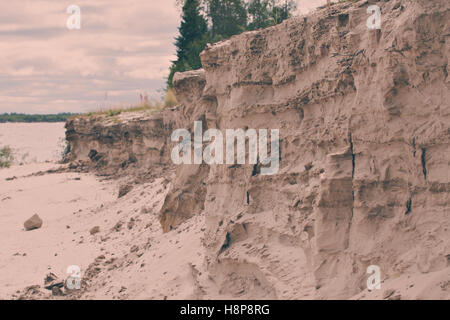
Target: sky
122, 49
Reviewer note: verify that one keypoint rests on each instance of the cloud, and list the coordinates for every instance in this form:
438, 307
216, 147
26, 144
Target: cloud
122, 49
30, 32
305, 6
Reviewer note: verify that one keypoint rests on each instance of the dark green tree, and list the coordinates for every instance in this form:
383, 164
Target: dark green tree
281, 10
260, 14
191, 41
228, 17
265, 13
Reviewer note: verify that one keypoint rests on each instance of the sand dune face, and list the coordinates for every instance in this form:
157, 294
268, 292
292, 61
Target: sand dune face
364, 175
363, 182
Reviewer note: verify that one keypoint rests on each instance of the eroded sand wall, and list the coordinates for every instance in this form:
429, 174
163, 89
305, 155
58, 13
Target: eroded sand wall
364, 140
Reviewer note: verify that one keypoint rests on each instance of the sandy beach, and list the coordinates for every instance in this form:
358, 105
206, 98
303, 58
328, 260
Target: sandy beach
130, 249
60, 200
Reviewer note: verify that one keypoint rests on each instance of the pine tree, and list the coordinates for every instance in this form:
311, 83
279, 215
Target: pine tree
282, 10
265, 13
228, 17
191, 41
259, 14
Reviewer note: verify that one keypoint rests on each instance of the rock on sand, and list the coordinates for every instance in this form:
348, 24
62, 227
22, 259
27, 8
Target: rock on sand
35, 222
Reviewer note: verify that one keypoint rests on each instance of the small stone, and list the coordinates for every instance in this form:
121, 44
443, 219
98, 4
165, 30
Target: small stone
35, 222
125, 189
100, 257
94, 230
144, 210
56, 291
118, 226
51, 280
388, 293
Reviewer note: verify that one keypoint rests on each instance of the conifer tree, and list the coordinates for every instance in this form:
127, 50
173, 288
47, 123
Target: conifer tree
228, 17
259, 13
281, 10
191, 40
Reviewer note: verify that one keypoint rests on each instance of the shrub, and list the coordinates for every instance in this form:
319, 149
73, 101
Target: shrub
170, 100
146, 105
63, 148
6, 157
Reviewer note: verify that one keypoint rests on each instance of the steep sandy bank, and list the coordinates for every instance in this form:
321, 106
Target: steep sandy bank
364, 136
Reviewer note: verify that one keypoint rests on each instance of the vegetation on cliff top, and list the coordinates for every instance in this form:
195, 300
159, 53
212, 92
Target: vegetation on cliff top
210, 21
146, 106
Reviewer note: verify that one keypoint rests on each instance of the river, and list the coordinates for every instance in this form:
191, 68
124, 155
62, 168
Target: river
34, 142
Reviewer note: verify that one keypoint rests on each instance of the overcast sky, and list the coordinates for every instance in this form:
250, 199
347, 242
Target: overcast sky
124, 48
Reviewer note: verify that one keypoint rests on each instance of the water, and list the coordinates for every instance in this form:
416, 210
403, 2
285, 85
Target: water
34, 142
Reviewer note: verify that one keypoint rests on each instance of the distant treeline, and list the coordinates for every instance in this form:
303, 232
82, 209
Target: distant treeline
21, 117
